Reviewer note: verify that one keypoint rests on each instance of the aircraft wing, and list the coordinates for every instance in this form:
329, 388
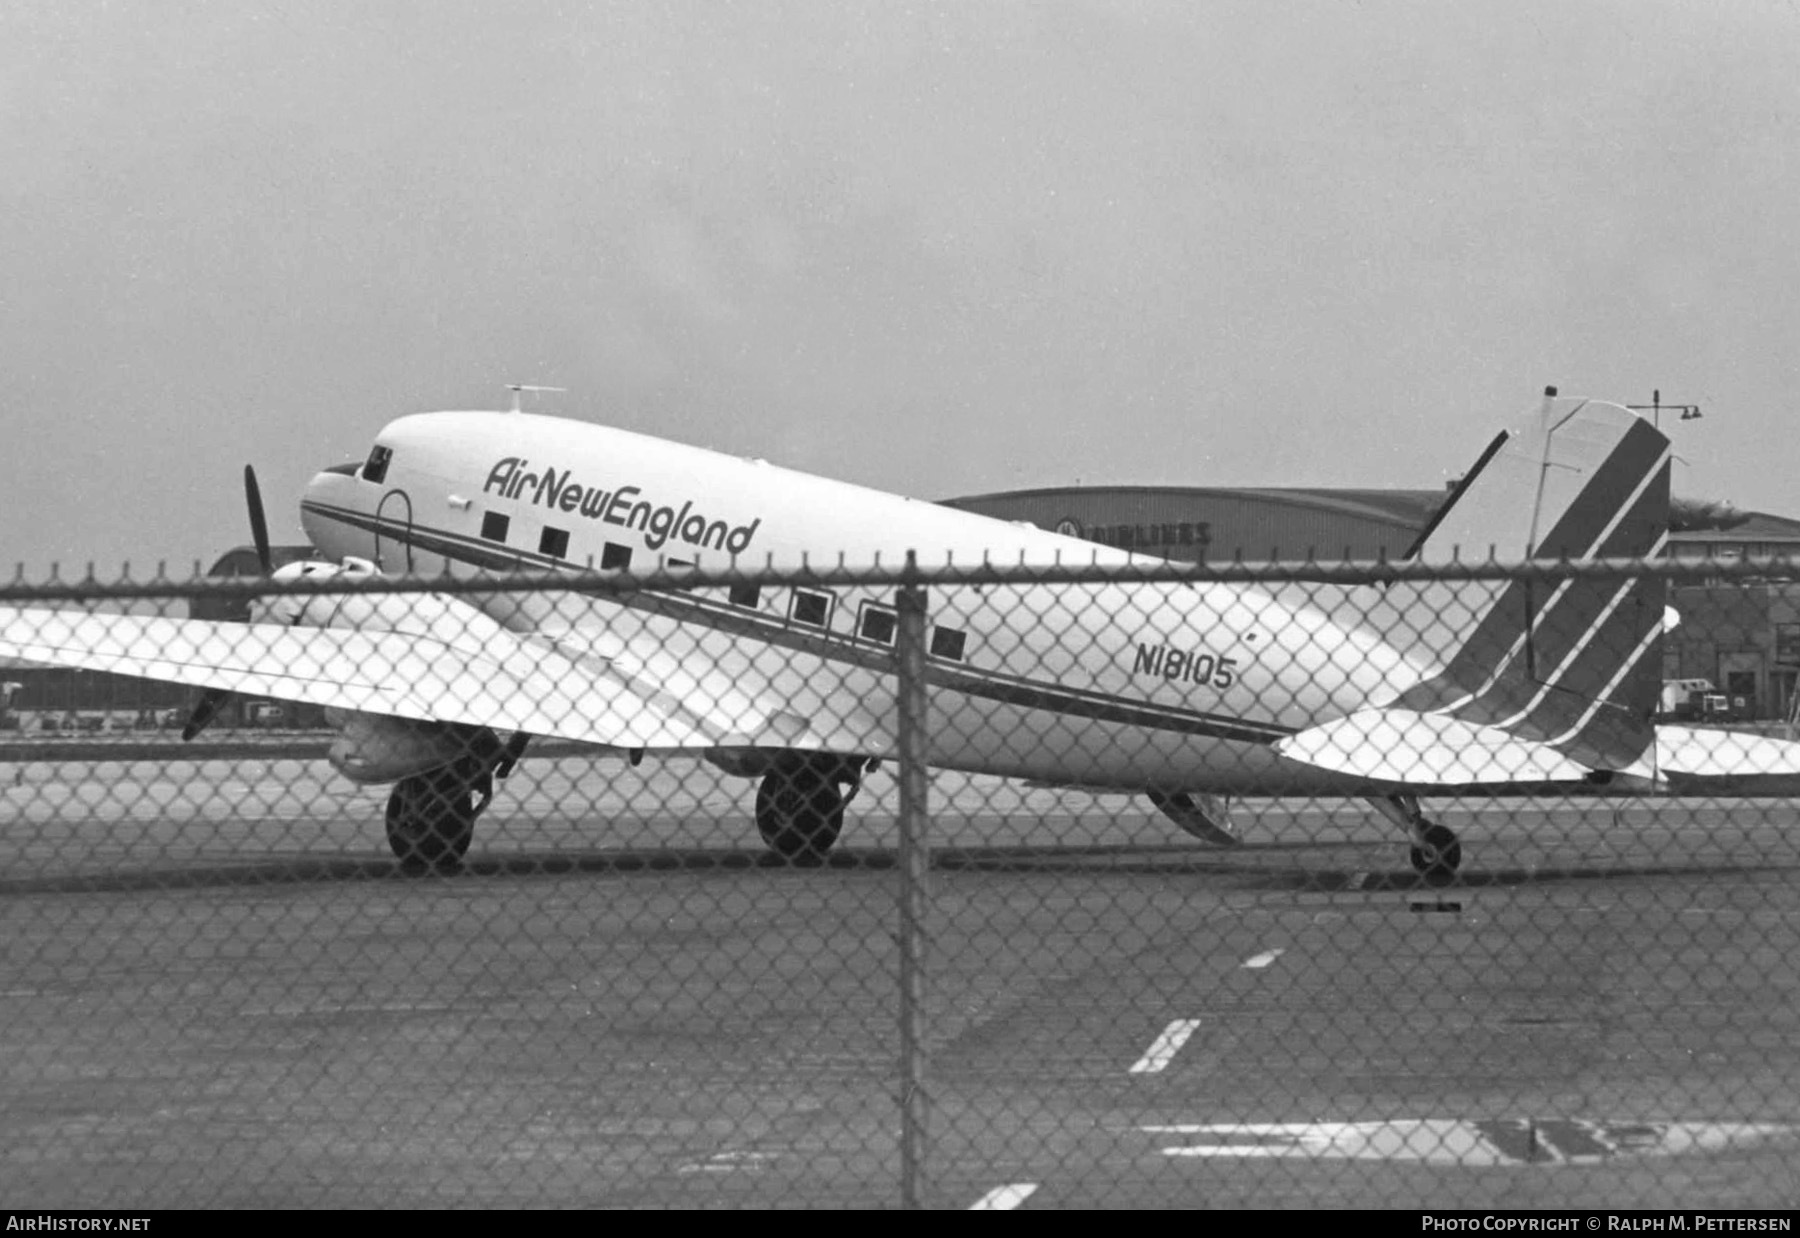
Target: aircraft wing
736, 688
433, 660
504, 681
1426, 749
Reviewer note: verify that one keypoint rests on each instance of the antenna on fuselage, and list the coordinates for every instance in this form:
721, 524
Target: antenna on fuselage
519, 389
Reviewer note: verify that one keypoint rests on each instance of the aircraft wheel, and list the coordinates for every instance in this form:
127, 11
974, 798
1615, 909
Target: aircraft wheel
799, 815
1439, 856
431, 820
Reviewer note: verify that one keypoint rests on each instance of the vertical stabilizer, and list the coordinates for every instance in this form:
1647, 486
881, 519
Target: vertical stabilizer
1575, 664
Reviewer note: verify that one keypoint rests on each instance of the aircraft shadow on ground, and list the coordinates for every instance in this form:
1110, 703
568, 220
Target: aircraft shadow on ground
1249, 868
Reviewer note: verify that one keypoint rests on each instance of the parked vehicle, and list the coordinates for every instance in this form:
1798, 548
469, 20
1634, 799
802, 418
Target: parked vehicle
266, 714
1687, 699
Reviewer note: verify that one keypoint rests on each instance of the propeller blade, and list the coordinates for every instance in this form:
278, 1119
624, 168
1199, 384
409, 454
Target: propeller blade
211, 702
259, 526
214, 699
509, 757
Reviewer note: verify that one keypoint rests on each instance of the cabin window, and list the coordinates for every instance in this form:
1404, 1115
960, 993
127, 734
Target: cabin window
812, 608
375, 469
747, 596
877, 623
554, 542
494, 526
614, 557
948, 643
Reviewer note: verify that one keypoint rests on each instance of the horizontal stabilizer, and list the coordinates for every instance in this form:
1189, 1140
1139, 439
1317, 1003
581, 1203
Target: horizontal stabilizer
1420, 749
1693, 760
1436, 750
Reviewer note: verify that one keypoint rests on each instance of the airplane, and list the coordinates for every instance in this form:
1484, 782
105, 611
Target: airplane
1190, 694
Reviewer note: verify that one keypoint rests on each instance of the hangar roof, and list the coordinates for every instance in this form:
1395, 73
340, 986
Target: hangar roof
1285, 517
1760, 527
1408, 507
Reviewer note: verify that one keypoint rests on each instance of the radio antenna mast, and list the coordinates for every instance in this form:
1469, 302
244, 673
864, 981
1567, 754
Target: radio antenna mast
519, 389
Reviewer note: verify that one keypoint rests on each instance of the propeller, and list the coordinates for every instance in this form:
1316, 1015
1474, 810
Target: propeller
211, 702
259, 524
214, 699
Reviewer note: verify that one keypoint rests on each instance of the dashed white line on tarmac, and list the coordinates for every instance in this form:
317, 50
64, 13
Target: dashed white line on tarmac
1166, 1047
728, 1162
1004, 1198
297, 1011
1257, 962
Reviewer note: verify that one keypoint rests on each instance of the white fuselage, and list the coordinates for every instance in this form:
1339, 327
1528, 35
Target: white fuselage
1171, 686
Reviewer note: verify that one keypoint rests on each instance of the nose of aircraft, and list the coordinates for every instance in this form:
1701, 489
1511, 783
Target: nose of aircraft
334, 511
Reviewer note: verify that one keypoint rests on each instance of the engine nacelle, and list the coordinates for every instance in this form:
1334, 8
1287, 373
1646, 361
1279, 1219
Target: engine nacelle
382, 748
324, 611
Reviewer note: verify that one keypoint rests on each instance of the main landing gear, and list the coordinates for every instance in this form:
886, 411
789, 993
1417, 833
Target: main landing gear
431, 816
1436, 855
800, 804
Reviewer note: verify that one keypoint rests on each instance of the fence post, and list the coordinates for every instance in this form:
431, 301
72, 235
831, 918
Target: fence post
915, 865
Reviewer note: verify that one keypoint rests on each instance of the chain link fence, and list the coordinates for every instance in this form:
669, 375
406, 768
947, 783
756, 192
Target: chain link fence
942, 887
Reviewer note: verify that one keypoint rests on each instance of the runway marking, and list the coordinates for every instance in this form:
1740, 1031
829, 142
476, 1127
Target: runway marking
1447, 1141
1166, 1047
1004, 1198
728, 1162
1260, 961
266, 1012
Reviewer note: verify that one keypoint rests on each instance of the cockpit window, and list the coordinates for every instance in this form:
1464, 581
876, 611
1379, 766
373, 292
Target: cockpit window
376, 468
346, 470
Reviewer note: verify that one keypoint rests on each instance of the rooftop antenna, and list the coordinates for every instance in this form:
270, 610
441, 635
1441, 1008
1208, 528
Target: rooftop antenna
519, 389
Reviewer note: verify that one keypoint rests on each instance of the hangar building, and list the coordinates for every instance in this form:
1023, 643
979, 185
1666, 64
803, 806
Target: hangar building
1196, 524
1743, 638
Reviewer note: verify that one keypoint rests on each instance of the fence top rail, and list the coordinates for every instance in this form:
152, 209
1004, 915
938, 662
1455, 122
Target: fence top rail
1139, 570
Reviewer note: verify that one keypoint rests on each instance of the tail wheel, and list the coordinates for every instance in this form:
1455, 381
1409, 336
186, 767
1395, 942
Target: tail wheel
1438, 855
799, 814
431, 820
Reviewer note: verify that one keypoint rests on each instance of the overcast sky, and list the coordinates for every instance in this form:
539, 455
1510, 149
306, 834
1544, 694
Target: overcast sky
934, 248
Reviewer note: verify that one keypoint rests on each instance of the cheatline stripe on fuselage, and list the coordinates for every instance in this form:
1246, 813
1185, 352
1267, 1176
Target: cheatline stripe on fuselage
834, 647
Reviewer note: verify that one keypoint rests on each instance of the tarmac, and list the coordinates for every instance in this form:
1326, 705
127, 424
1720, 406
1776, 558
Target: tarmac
218, 989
